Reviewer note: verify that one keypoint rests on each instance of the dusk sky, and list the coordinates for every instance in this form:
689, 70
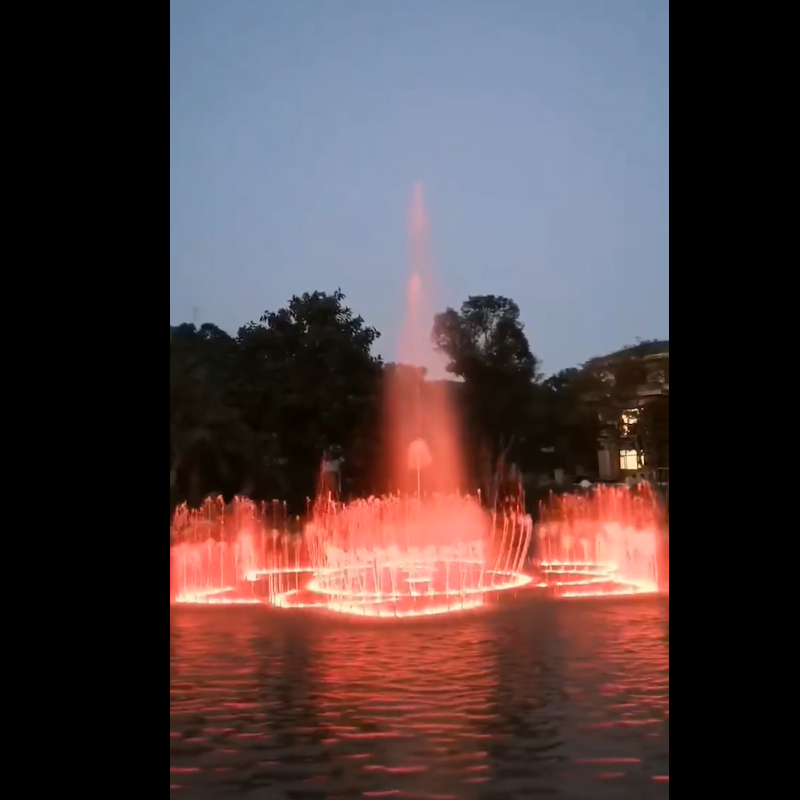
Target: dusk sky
538, 128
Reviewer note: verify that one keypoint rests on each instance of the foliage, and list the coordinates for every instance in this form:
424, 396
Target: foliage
312, 379
629, 392
210, 447
487, 348
485, 336
571, 420
253, 413
269, 401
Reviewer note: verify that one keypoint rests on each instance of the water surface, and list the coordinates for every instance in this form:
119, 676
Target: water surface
530, 699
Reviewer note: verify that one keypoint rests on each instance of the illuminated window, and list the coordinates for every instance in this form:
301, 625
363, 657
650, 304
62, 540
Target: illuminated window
629, 459
629, 420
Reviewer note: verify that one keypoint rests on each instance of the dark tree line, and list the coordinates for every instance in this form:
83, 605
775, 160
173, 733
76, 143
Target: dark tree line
254, 413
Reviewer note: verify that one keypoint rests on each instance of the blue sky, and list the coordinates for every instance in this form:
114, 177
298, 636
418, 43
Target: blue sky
539, 129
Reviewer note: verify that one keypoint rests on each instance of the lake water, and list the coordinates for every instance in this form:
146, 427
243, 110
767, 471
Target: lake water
531, 698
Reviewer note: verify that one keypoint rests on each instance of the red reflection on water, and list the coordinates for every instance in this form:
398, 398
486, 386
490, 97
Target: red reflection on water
402, 735
528, 699
616, 673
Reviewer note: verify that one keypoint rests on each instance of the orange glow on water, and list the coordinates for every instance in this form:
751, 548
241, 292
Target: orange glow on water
431, 744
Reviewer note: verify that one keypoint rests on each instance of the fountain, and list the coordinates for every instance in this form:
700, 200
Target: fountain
398, 556
221, 550
429, 548
390, 556
406, 555
426, 550
605, 542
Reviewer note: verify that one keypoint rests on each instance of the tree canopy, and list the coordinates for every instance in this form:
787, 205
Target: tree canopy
487, 347
253, 413
298, 381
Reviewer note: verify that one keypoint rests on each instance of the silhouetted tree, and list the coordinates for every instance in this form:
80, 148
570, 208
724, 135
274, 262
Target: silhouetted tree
571, 421
254, 413
487, 347
311, 382
211, 448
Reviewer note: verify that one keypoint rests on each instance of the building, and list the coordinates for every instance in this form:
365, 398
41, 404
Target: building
633, 405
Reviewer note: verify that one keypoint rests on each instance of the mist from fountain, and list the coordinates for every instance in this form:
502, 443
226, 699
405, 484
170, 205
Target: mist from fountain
428, 549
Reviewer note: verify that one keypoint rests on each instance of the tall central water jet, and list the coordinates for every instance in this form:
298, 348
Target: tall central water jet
421, 416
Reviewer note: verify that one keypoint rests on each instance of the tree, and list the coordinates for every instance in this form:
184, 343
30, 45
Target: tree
487, 347
486, 334
311, 381
211, 449
571, 421
255, 413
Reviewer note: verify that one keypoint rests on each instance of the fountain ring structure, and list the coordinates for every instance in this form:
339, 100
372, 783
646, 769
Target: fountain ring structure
602, 543
403, 590
382, 557
419, 597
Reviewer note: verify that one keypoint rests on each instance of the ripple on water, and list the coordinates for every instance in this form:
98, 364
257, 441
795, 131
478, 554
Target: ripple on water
558, 700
